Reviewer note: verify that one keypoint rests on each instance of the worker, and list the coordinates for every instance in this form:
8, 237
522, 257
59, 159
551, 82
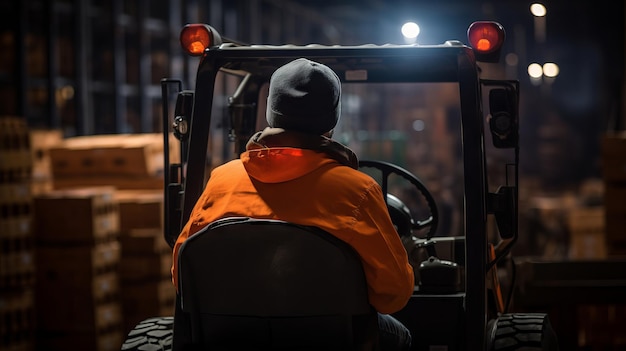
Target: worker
295, 172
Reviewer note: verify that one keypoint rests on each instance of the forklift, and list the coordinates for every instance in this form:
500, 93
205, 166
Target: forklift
457, 302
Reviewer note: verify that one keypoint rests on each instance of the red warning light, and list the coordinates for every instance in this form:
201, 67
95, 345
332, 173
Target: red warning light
487, 39
195, 38
483, 45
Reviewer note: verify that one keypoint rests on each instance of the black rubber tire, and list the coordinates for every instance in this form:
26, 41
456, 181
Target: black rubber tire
153, 334
521, 331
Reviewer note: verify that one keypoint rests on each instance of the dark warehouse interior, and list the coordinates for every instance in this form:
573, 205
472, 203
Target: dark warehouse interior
83, 256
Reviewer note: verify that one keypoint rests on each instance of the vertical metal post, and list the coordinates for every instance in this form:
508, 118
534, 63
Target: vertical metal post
51, 51
20, 59
84, 123
174, 49
119, 66
475, 180
198, 141
145, 64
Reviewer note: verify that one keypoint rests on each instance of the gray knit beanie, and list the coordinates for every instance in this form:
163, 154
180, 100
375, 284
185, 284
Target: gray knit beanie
304, 96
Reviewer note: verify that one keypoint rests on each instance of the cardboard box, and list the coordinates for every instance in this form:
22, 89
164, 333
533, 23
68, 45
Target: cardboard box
616, 230
587, 245
140, 209
78, 287
135, 268
148, 299
118, 182
586, 219
615, 205
615, 198
613, 160
15, 193
17, 265
14, 146
109, 339
144, 242
601, 326
41, 141
134, 155
17, 313
73, 315
76, 216
586, 226
80, 262
18, 221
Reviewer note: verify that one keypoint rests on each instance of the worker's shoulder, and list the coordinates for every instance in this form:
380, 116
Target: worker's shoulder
353, 176
229, 167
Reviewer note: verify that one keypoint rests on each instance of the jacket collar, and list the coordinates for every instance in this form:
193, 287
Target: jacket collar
278, 137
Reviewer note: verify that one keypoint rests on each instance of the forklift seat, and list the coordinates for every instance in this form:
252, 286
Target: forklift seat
271, 285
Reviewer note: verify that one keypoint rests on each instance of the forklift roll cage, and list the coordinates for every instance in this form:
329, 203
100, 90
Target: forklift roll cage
452, 61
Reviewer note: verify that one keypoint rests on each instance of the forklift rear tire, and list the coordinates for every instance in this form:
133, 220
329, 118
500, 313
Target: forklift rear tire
151, 335
521, 331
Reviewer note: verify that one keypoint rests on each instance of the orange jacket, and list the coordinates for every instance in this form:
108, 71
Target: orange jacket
309, 188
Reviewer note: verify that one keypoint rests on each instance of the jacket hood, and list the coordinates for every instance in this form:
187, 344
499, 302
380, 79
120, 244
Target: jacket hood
275, 155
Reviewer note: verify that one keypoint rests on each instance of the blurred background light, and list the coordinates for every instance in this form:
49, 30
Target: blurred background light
511, 59
418, 125
550, 69
538, 10
535, 70
410, 31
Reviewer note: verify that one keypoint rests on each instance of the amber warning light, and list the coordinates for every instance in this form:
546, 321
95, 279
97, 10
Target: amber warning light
195, 38
486, 38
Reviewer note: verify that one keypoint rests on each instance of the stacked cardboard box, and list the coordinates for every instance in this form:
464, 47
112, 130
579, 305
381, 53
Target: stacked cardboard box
614, 174
130, 168
78, 259
146, 258
125, 161
586, 233
17, 266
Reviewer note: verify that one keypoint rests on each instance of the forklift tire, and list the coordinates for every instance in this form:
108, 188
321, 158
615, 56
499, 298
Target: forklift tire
521, 331
153, 334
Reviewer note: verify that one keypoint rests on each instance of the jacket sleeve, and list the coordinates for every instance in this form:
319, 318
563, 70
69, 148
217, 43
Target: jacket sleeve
385, 261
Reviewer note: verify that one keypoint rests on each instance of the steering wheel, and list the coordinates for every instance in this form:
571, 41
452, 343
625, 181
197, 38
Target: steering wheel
387, 169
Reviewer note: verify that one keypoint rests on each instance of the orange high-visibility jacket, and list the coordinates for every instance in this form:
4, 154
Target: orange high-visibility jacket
308, 187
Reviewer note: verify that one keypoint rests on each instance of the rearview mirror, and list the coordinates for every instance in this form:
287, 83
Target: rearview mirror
503, 119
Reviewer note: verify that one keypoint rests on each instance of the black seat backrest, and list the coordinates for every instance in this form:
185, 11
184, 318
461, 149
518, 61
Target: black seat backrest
267, 284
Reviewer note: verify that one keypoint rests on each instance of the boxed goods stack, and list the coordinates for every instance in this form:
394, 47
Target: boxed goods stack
125, 161
614, 173
78, 258
146, 258
17, 262
132, 165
